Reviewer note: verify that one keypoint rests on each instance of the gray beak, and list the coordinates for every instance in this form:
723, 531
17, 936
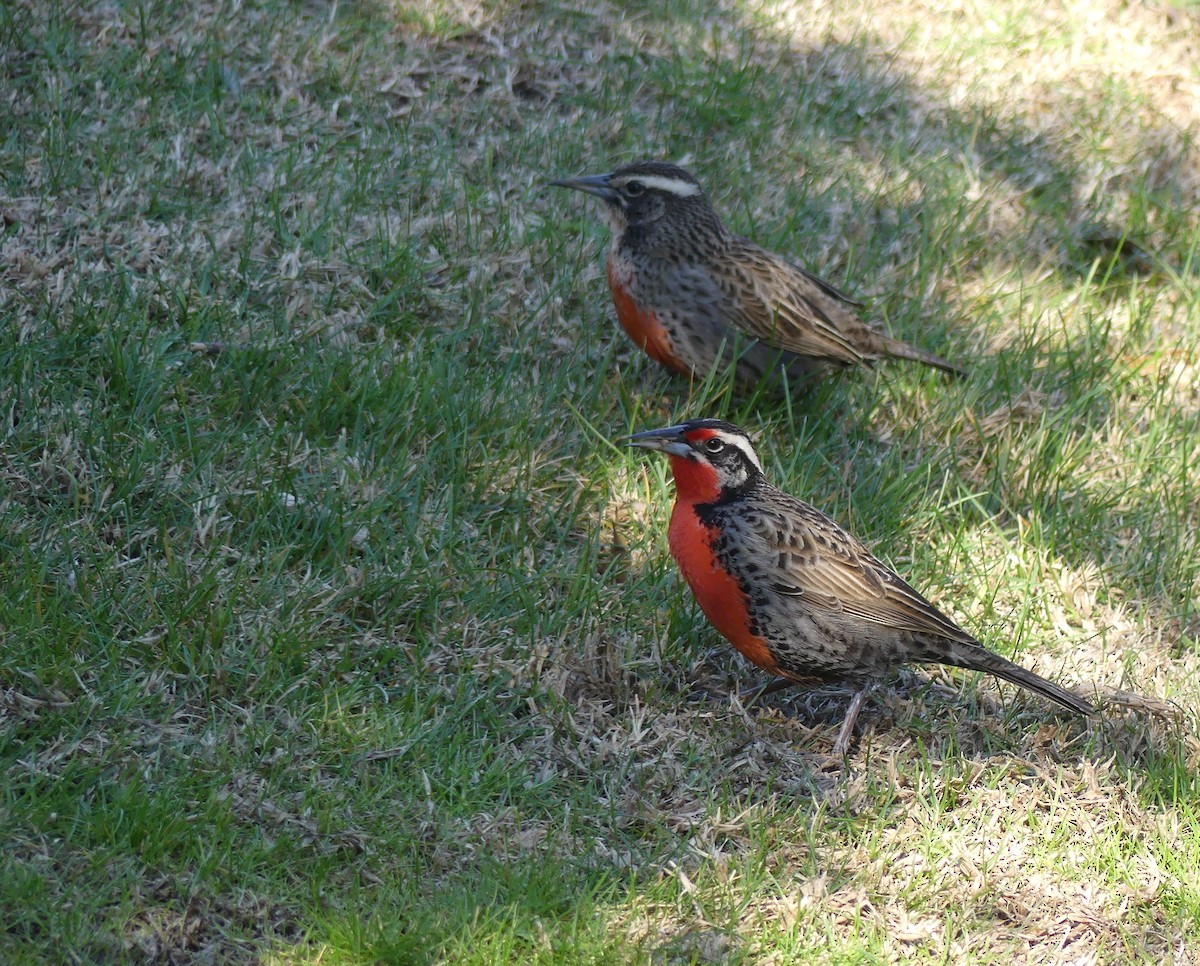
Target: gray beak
592, 184
667, 440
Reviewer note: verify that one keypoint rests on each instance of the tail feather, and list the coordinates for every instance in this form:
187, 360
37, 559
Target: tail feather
981, 659
902, 350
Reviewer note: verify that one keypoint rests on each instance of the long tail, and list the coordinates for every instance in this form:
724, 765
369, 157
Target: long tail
979, 658
902, 350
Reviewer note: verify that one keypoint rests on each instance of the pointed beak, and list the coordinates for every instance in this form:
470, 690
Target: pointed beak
669, 440
592, 184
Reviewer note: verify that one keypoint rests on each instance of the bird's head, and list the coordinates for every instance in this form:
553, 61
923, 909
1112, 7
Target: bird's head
710, 458
640, 194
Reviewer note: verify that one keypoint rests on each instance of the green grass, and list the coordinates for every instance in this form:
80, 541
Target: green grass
351, 638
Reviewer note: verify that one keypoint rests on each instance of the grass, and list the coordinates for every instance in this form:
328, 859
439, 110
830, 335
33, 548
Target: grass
335, 630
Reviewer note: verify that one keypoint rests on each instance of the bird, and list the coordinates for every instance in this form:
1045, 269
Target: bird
794, 592
695, 296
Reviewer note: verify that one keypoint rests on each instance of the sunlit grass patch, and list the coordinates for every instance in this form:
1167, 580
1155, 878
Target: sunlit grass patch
337, 626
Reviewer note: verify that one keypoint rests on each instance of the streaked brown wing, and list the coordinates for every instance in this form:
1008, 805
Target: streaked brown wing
810, 557
790, 308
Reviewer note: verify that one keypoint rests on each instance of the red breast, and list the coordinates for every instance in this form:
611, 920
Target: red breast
642, 325
717, 591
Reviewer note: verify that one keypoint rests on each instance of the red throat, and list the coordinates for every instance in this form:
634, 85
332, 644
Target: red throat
695, 481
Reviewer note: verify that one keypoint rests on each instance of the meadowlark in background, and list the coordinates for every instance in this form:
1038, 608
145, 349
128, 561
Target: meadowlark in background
697, 298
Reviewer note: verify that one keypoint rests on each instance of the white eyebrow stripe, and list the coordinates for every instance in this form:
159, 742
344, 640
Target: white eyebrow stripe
746, 449
675, 186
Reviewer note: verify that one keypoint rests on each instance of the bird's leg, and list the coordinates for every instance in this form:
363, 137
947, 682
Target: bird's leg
847, 731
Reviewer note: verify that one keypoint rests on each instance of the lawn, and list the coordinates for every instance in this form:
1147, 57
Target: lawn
337, 628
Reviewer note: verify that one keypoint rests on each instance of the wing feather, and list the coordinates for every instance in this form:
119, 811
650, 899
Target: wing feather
790, 308
814, 560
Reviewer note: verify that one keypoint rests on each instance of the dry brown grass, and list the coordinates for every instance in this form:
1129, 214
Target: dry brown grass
966, 826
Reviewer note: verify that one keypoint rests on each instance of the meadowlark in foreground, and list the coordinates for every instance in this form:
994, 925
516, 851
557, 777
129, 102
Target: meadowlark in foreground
794, 592
695, 297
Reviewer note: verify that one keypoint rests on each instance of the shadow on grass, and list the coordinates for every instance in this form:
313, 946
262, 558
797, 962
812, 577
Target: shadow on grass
534, 909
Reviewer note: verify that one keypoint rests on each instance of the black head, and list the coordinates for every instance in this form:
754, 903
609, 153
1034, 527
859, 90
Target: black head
720, 457
643, 192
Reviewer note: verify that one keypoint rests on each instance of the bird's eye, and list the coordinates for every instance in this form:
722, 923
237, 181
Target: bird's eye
714, 445
635, 188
